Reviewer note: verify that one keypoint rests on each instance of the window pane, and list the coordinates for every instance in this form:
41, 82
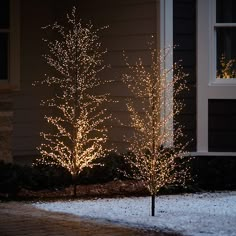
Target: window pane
3, 56
225, 11
4, 14
226, 52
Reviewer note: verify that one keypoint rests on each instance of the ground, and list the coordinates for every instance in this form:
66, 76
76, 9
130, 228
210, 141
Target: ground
23, 219
127, 204
203, 214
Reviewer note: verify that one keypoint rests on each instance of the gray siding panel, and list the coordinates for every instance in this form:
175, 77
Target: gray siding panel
131, 24
185, 52
28, 115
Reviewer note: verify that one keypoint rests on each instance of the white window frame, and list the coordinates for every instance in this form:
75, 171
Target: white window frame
213, 80
207, 87
13, 81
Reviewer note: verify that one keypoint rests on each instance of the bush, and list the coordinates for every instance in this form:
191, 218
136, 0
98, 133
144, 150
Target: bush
215, 173
110, 168
14, 177
46, 177
9, 178
212, 173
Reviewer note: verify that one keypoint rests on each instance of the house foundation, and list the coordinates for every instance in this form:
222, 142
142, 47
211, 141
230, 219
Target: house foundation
6, 127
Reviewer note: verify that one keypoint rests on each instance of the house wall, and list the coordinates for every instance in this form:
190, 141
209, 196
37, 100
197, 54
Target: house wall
28, 115
184, 38
131, 24
6, 115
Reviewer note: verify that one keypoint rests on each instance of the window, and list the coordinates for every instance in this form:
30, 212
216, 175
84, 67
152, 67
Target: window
9, 44
216, 76
4, 39
224, 37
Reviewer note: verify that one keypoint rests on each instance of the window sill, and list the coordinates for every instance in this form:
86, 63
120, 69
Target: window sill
223, 82
226, 154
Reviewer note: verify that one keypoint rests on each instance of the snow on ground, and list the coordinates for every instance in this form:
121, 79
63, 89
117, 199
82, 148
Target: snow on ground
190, 214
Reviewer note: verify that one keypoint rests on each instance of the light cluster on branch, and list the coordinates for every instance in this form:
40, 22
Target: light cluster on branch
78, 134
156, 153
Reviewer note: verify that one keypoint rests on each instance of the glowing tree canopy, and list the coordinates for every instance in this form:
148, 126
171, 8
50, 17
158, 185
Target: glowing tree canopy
156, 153
77, 133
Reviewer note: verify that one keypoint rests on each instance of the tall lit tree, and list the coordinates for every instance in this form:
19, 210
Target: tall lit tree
156, 153
78, 134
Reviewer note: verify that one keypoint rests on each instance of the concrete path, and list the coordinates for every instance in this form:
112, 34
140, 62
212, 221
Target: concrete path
19, 219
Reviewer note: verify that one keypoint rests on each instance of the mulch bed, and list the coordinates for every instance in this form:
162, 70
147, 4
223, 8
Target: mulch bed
111, 189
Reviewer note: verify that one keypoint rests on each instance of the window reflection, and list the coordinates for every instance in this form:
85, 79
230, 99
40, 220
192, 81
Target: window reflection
3, 56
226, 52
4, 14
226, 11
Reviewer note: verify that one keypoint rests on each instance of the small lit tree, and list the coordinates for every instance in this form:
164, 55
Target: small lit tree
156, 155
78, 134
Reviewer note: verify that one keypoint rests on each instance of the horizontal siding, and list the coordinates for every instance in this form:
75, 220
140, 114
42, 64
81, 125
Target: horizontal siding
186, 56
28, 115
131, 24
131, 27
115, 10
131, 42
185, 53
116, 58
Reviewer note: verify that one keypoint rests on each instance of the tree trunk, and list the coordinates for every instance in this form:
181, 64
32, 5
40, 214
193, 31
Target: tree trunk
153, 204
74, 194
74, 185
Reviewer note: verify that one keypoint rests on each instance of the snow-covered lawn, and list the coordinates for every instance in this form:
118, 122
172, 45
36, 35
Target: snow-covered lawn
189, 214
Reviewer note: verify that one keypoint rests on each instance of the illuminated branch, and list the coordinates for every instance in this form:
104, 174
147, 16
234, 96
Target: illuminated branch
78, 133
153, 162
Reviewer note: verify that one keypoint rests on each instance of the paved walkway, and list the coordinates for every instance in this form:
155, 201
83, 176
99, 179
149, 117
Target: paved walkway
19, 219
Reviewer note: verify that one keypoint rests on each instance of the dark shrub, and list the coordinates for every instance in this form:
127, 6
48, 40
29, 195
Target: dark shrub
9, 178
47, 177
215, 173
13, 177
110, 169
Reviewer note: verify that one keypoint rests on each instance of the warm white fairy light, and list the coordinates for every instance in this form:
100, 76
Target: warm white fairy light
79, 134
152, 162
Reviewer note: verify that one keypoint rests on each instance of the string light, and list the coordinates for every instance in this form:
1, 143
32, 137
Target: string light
77, 134
152, 160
